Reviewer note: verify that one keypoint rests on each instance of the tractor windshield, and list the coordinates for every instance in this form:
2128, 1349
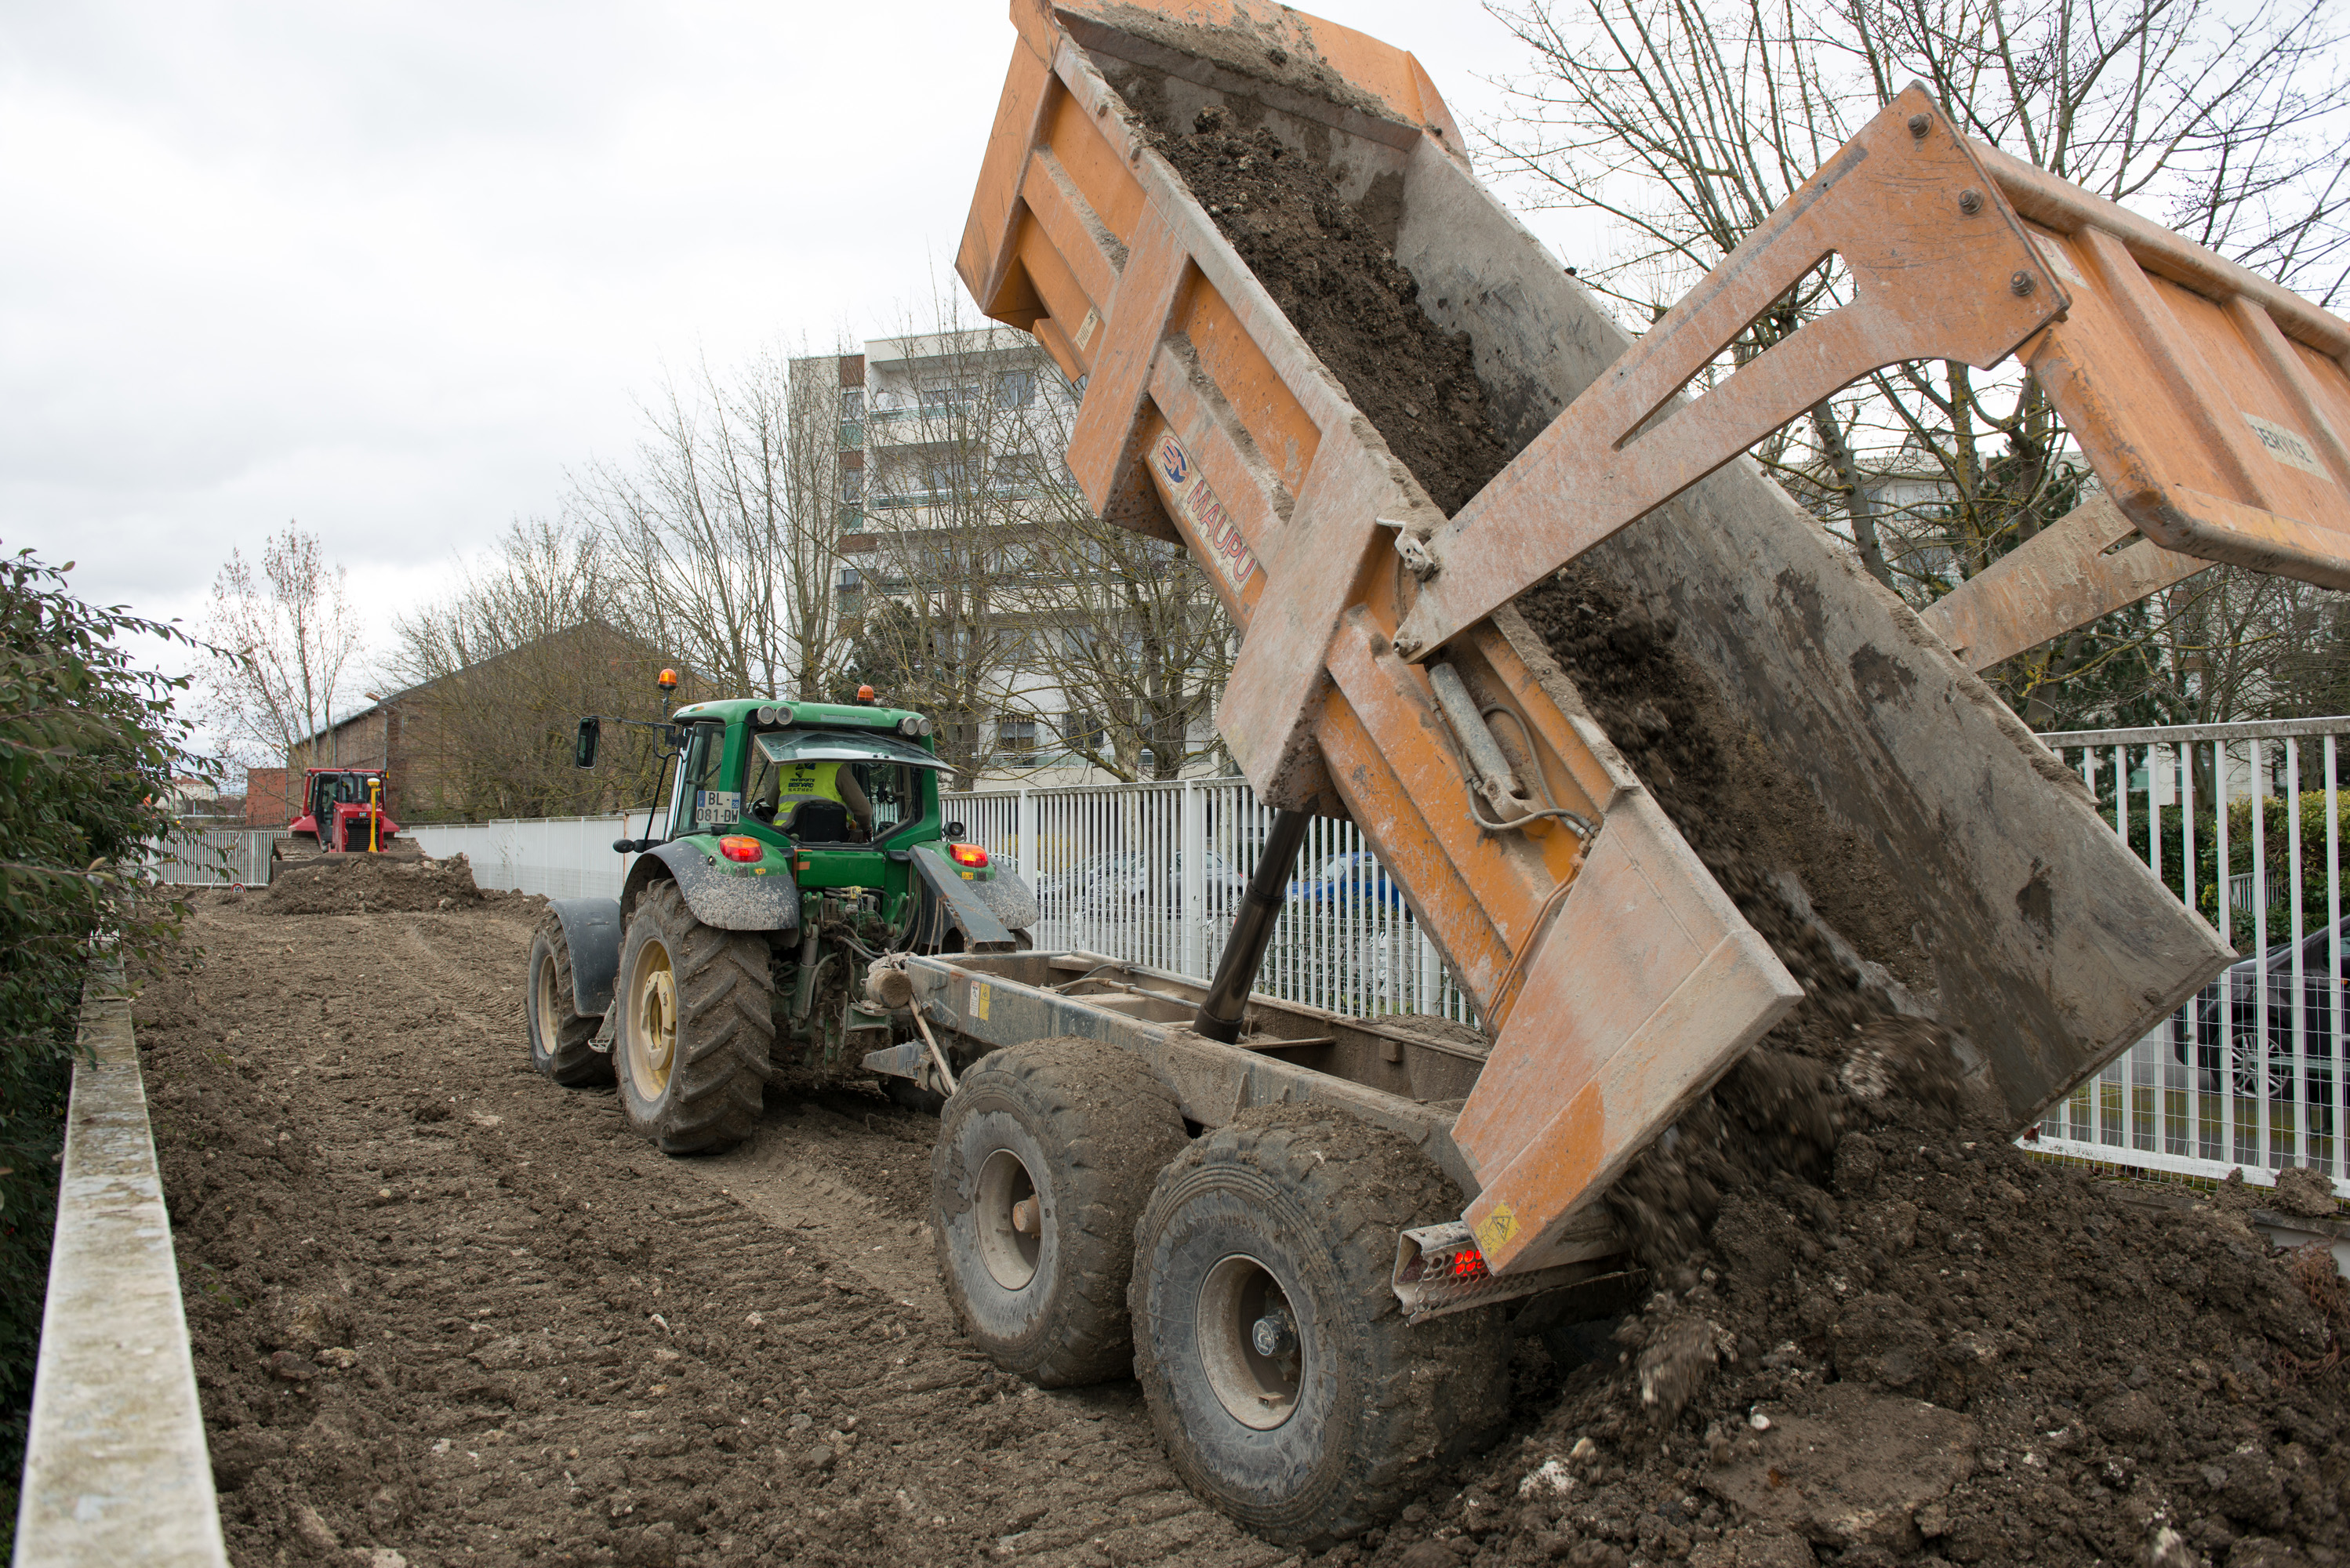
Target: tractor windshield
826, 788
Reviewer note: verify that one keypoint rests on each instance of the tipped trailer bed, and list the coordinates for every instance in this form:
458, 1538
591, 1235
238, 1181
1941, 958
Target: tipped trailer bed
1296, 1229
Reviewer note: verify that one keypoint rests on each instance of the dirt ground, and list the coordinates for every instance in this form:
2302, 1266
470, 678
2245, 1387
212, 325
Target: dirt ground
445, 1309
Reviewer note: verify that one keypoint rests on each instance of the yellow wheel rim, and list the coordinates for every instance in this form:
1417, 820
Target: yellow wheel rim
652, 1020
544, 1025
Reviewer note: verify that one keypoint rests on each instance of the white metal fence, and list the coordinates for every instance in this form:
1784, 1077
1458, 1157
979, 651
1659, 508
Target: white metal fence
2243, 822
221, 857
1153, 873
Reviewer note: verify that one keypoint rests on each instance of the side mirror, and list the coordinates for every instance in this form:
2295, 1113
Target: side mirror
954, 830
583, 751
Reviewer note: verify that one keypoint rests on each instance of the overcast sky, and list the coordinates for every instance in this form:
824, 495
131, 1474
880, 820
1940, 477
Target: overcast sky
390, 269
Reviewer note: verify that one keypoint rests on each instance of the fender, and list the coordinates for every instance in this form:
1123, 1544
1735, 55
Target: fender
1007, 893
953, 906
731, 899
591, 931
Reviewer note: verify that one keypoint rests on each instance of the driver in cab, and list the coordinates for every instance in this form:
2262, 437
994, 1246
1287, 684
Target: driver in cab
795, 784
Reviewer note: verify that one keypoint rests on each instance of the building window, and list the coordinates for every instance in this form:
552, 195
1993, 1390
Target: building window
1083, 732
852, 404
1015, 388
1015, 737
851, 579
852, 485
944, 472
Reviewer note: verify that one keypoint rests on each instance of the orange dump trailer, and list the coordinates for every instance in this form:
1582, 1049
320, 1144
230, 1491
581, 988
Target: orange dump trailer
1384, 675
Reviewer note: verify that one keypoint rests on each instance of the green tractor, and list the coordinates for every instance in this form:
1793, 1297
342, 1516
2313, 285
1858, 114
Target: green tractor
805, 846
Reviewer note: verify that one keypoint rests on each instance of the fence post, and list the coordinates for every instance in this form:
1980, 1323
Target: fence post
1194, 853
1024, 835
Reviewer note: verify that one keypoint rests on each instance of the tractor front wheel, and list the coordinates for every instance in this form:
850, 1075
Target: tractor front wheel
696, 1026
559, 1032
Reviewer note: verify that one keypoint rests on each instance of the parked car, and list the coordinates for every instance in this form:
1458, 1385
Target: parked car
1349, 880
1123, 878
2195, 1029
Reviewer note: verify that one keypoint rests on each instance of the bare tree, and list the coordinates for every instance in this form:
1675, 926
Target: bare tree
283, 636
1038, 634
499, 671
1685, 122
1128, 638
949, 520
724, 526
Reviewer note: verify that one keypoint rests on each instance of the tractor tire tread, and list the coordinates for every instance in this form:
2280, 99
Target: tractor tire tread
1112, 1124
1427, 1394
574, 1063
725, 1028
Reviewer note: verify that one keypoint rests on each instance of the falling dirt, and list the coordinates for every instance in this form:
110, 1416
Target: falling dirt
1874, 1331
444, 1308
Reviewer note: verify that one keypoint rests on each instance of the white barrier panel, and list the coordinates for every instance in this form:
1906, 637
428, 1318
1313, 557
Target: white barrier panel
2243, 820
556, 857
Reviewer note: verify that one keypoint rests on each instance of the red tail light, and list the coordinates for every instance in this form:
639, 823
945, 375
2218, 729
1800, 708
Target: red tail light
742, 846
969, 856
1469, 1265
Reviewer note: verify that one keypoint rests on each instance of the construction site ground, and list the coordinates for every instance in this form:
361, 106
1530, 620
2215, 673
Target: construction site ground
444, 1308
445, 1312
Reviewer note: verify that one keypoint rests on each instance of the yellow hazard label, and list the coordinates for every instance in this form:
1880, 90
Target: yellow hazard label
1496, 1229
980, 995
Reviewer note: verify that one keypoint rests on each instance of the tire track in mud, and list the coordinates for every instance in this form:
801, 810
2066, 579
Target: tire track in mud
445, 1309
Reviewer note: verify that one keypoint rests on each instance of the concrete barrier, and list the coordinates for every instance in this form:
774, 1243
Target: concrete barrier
116, 1469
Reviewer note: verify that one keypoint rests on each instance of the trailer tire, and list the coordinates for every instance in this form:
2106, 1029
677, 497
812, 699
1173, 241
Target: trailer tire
1078, 1130
559, 1032
1280, 1231
696, 1026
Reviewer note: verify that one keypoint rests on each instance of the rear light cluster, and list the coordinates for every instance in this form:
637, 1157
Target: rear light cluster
1469, 1265
969, 856
742, 847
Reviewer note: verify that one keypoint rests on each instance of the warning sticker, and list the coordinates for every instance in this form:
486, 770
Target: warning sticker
2288, 447
1497, 1227
1212, 528
981, 995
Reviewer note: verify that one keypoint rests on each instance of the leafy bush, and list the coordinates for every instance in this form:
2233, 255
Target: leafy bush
88, 747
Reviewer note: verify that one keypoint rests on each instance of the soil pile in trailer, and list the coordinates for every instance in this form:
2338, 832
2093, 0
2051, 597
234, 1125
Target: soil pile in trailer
1874, 1331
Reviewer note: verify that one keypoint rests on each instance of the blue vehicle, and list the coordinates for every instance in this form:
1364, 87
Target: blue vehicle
1350, 879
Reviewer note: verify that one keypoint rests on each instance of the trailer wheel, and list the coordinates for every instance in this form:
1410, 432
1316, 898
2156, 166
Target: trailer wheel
1046, 1156
1279, 1371
696, 1026
559, 1032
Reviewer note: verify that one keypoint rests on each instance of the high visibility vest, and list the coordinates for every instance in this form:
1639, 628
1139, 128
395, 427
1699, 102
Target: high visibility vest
806, 781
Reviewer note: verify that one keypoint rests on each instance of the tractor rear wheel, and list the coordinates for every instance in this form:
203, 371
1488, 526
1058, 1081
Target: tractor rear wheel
696, 1026
559, 1032
1279, 1371
1046, 1156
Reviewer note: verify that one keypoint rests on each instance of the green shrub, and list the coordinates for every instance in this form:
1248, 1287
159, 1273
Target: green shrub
88, 744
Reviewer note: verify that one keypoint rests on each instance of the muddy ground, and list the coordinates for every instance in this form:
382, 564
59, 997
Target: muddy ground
442, 1308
